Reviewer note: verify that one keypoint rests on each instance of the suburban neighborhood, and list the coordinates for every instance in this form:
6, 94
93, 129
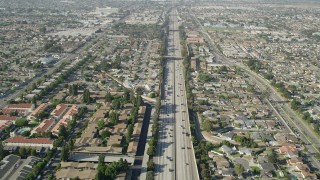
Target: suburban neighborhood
158, 89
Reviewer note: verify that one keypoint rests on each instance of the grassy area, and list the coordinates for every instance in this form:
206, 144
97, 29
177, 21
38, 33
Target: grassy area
217, 150
236, 155
33, 124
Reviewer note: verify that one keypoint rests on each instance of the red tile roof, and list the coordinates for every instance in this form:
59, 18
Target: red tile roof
72, 111
40, 108
4, 124
44, 126
294, 160
286, 149
21, 139
63, 121
19, 111
7, 118
20, 106
59, 110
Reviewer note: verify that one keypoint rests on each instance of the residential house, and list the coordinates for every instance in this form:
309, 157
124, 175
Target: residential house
221, 162
21, 106
58, 112
132, 148
226, 150
20, 141
39, 109
71, 112
243, 162
43, 127
294, 161
289, 151
267, 169
55, 129
226, 172
5, 118
245, 151
22, 109
71, 170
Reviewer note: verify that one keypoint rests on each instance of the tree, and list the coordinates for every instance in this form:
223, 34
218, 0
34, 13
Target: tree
15, 113
73, 89
101, 124
116, 104
135, 77
110, 172
207, 125
86, 96
253, 114
239, 169
21, 122
223, 69
33, 86
139, 90
50, 177
129, 133
105, 134
63, 131
109, 97
150, 165
34, 101
65, 153
43, 29
151, 150
273, 157
101, 168
33, 152
204, 77
100, 175
22, 151
152, 95
256, 171
150, 175
123, 165
2, 152
71, 144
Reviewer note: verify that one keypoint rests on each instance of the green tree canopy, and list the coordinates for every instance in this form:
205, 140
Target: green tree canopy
239, 169
63, 131
21, 122
207, 125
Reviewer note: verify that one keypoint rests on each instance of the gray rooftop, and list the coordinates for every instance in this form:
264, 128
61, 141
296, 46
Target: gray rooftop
7, 165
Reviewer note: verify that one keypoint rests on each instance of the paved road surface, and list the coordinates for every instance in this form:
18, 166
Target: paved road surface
175, 155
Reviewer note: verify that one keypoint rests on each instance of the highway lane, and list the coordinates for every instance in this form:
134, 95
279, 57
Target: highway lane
165, 149
175, 155
186, 165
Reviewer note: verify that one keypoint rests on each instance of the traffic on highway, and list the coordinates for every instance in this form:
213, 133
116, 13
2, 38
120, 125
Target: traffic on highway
175, 154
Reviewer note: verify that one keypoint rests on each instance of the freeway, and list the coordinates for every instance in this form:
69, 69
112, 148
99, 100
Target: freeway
276, 101
175, 154
164, 158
